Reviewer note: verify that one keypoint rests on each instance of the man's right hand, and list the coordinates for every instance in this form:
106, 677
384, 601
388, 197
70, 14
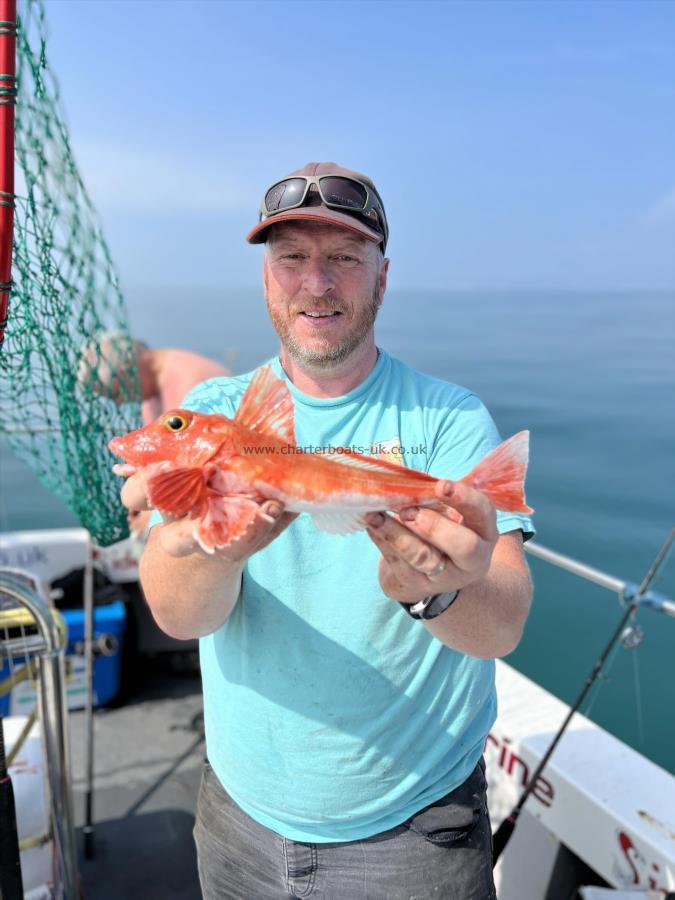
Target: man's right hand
176, 535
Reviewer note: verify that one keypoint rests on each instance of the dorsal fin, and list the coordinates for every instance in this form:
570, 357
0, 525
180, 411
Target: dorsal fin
267, 406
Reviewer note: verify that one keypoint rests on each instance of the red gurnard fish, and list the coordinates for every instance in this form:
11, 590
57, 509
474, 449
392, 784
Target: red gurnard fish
217, 470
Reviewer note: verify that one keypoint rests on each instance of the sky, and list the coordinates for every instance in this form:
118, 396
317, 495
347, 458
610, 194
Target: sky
516, 145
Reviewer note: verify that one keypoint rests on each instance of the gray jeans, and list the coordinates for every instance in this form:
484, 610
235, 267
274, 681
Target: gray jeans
443, 852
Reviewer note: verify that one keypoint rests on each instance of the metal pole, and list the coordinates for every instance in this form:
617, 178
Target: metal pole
645, 597
7, 104
53, 712
52, 704
88, 829
576, 567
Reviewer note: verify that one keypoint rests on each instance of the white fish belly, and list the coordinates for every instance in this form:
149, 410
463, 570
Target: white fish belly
346, 503
345, 514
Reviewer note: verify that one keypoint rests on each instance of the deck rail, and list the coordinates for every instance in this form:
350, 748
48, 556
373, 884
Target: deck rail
628, 591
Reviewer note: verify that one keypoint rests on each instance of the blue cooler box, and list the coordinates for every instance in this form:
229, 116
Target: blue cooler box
108, 620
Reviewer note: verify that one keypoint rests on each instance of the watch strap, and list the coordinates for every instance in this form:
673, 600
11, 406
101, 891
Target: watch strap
431, 606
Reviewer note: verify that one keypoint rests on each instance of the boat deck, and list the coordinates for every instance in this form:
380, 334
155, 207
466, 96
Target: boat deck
587, 826
148, 757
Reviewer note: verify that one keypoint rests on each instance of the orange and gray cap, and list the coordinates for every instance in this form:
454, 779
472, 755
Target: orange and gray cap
370, 222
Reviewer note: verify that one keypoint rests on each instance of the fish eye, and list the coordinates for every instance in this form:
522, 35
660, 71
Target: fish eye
175, 423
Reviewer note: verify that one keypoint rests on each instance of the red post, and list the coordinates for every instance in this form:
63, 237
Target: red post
7, 103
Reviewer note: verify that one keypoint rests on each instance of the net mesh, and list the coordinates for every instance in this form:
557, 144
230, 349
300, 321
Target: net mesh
67, 328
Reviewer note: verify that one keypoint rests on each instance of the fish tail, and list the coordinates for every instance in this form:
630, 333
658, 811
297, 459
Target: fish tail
501, 475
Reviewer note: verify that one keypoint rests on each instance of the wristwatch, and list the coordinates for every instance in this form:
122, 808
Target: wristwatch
431, 606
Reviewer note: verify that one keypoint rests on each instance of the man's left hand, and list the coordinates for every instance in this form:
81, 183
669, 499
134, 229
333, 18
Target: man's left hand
434, 551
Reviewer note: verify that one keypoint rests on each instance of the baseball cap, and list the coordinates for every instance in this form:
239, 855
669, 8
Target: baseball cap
323, 203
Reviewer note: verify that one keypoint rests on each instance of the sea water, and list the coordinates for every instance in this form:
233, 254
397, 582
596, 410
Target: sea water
592, 376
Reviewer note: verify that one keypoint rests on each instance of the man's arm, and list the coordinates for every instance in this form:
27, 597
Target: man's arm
189, 596
428, 551
191, 593
487, 618
179, 371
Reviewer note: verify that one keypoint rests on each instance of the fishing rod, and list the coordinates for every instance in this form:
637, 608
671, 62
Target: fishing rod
637, 598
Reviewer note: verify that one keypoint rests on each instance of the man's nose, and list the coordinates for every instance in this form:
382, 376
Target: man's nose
317, 279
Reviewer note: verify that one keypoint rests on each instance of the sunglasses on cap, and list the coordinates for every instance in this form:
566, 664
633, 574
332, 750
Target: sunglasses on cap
336, 192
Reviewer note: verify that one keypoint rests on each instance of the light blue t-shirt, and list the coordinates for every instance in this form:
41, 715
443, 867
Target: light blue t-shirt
330, 714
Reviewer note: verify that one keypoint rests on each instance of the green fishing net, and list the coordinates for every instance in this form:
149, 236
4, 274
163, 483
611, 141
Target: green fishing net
67, 327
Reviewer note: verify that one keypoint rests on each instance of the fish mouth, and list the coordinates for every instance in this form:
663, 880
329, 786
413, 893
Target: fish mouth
116, 446
119, 446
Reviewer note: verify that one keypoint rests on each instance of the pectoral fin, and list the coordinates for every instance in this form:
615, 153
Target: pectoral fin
224, 518
178, 490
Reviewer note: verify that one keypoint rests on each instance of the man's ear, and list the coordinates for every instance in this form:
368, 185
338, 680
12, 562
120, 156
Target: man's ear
382, 279
265, 276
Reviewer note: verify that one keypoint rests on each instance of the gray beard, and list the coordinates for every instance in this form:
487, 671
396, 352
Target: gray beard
332, 356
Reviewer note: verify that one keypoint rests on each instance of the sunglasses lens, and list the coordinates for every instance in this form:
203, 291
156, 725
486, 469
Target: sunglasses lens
285, 194
344, 192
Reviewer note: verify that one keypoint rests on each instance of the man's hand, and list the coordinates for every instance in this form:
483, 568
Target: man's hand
428, 551
176, 535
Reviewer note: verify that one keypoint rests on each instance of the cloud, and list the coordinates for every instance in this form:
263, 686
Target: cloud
120, 177
661, 212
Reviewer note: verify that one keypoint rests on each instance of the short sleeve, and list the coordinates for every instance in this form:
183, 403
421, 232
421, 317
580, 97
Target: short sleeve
217, 395
463, 438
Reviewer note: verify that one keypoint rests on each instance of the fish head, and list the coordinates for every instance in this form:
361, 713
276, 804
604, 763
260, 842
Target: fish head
178, 436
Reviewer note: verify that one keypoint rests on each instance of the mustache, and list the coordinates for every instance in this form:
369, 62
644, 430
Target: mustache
319, 304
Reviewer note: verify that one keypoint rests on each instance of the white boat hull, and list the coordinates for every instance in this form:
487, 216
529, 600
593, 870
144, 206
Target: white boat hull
609, 805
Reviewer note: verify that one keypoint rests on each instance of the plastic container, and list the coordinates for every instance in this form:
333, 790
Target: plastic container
109, 628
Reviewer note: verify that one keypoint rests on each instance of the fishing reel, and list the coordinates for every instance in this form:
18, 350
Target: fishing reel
632, 637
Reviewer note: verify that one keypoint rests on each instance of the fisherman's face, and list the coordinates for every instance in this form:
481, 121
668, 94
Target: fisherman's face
323, 288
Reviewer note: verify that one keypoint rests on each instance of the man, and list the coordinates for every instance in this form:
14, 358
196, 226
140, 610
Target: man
344, 735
